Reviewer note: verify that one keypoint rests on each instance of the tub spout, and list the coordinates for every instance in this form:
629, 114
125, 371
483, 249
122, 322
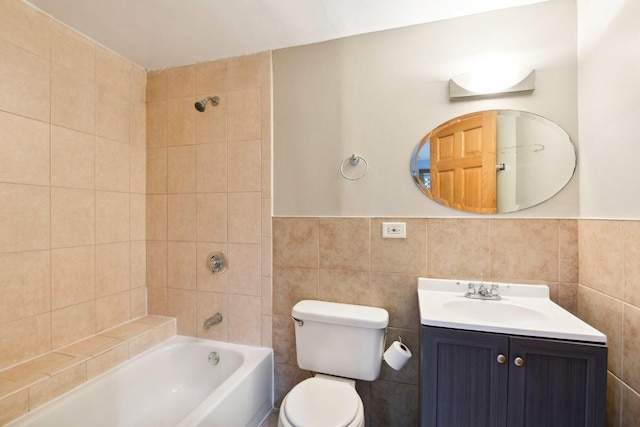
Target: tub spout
213, 320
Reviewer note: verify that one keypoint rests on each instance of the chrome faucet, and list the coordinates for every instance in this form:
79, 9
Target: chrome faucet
213, 320
483, 292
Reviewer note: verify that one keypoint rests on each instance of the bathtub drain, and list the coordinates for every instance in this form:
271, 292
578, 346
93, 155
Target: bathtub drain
214, 358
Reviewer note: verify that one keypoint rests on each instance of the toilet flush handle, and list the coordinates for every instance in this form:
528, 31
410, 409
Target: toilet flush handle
299, 321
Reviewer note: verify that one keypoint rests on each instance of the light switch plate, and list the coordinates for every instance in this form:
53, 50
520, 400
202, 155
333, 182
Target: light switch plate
394, 230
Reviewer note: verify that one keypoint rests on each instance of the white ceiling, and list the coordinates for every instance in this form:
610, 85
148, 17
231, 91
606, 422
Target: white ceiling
157, 34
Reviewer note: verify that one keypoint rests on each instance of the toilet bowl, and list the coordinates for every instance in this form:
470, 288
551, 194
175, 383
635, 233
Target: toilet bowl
322, 401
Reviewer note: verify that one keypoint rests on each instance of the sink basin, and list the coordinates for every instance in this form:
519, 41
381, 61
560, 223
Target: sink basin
523, 310
494, 311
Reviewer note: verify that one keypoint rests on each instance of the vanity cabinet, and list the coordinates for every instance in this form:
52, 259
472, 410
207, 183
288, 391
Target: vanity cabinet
479, 379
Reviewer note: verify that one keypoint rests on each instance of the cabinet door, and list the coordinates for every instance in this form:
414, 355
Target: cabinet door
462, 383
559, 383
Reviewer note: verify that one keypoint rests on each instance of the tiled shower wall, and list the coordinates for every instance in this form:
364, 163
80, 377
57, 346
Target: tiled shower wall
209, 189
609, 299
72, 186
346, 260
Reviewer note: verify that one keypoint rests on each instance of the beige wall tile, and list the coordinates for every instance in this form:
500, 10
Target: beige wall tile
157, 301
211, 124
244, 72
25, 26
72, 50
53, 387
72, 323
524, 250
138, 264
211, 78
291, 285
24, 150
397, 294
181, 81
244, 217
244, 319
568, 251
25, 82
183, 306
13, 406
459, 248
113, 310
181, 217
112, 165
631, 347
156, 129
138, 220
208, 304
181, 266
113, 113
25, 216
138, 169
206, 280
245, 166
244, 120
107, 360
211, 164
72, 158
344, 243
157, 217
24, 339
267, 257
181, 121
26, 285
267, 295
285, 377
156, 86
92, 346
73, 276
601, 251
112, 269
400, 255
181, 169
605, 314
112, 217
72, 217
345, 286
128, 330
266, 179
157, 264
144, 342
630, 407
138, 122
410, 373
245, 272
211, 217
284, 340
267, 331
73, 100
631, 263
157, 172
113, 70
394, 404
138, 302
297, 242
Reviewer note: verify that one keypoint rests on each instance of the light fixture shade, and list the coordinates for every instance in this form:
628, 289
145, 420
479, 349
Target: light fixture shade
488, 83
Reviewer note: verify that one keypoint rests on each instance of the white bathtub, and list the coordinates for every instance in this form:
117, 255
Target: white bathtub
171, 385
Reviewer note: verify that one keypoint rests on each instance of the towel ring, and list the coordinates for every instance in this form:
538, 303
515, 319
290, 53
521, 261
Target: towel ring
355, 161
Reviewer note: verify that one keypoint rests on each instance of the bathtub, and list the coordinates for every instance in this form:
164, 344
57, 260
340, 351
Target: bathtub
173, 384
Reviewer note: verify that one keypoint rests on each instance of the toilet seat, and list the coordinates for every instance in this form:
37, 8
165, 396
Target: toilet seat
322, 402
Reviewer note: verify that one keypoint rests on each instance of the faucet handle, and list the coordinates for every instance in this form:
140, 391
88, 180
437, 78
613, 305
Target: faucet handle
494, 289
471, 288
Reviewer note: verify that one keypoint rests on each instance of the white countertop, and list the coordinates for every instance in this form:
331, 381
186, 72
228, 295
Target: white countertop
524, 310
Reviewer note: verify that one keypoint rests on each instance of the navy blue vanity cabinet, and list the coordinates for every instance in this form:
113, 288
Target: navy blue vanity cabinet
478, 379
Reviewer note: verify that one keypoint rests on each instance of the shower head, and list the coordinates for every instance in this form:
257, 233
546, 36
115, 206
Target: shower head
201, 105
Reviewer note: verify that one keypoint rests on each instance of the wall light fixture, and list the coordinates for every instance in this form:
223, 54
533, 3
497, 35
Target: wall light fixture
489, 82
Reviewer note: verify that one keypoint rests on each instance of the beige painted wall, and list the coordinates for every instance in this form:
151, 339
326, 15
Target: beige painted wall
378, 94
72, 186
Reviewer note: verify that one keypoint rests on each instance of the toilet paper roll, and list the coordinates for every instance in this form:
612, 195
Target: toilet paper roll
397, 355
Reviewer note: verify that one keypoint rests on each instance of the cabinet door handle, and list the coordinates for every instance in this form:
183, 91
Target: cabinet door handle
518, 361
501, 359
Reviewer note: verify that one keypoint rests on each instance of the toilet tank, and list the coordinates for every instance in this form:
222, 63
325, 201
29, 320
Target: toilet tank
345, 340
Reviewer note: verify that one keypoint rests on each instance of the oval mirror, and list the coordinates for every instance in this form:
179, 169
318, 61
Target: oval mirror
494, 161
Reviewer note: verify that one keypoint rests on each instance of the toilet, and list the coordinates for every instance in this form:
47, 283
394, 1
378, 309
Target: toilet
339, 343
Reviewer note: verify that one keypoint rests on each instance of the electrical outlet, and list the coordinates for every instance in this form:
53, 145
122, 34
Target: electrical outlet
394, 230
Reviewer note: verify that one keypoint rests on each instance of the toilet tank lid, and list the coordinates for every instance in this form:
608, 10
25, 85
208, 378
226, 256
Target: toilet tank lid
343, 314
